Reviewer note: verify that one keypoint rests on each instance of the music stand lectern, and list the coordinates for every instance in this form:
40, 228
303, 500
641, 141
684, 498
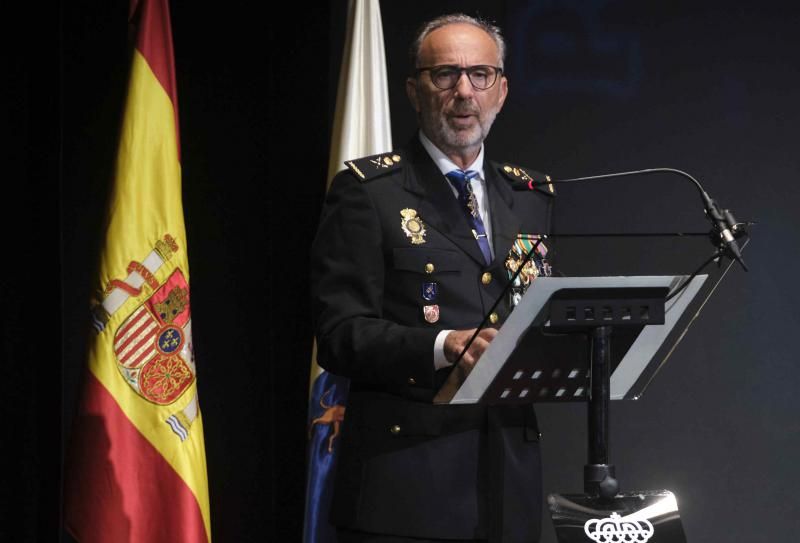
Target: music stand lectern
590, 339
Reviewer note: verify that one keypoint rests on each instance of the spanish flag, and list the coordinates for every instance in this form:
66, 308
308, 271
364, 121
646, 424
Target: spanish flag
136, 468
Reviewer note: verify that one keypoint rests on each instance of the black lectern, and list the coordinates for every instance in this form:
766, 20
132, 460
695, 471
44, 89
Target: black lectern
591, 339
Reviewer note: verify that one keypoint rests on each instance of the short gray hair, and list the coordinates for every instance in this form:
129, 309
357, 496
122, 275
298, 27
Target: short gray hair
455, 18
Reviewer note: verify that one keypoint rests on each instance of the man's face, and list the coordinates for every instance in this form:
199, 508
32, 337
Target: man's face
457, 120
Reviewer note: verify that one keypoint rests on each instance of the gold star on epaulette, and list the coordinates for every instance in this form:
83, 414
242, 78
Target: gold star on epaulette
517, 174
374, 166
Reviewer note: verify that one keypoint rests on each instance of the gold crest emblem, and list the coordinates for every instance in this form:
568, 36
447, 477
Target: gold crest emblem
413, 226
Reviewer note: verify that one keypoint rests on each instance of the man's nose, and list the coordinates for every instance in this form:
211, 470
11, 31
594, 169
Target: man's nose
464, 86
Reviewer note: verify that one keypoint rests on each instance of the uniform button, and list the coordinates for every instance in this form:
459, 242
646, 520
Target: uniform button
412, 381
395, 429
486, 278
429, 268
493, 318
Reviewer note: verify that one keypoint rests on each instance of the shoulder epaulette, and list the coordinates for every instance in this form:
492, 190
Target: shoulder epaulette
516, 174
372, 167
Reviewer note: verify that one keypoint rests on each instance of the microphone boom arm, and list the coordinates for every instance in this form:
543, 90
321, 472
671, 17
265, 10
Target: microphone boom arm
725, 229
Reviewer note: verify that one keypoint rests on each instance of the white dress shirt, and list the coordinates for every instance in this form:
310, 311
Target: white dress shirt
478, 184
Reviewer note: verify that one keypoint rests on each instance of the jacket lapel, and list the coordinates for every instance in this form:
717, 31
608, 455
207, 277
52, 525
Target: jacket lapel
505, 223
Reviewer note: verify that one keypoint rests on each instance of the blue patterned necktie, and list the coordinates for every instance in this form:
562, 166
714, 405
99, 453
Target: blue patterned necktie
469, 203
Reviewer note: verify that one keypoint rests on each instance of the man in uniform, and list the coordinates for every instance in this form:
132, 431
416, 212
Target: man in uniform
411, 254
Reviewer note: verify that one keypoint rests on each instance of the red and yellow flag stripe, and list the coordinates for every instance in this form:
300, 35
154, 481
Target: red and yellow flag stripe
137, 467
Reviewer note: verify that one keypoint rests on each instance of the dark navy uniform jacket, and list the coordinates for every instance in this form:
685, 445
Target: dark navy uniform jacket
408, 467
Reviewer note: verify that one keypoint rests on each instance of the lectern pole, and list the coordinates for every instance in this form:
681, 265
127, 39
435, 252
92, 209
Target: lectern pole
598, 475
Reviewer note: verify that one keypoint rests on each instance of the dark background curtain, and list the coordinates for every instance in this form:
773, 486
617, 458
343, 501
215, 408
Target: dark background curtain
711, 88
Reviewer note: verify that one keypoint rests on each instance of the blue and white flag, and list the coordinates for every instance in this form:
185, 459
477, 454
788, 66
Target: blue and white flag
361, 128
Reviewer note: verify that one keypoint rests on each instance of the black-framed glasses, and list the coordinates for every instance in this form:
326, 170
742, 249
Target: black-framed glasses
446, 77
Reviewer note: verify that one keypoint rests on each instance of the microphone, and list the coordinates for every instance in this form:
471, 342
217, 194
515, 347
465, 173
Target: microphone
725, 230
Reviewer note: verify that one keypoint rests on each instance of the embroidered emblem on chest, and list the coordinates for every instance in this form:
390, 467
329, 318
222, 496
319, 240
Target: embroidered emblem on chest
413, 226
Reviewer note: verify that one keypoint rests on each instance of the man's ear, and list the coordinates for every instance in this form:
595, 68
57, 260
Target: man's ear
411, 92
503, 92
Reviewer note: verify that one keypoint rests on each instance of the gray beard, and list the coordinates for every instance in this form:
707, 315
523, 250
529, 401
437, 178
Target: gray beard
449, 140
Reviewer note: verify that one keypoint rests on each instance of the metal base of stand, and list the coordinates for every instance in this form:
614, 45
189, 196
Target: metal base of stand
599, 480
603, 515
644, 517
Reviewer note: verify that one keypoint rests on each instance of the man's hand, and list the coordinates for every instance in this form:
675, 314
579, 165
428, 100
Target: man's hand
456, 340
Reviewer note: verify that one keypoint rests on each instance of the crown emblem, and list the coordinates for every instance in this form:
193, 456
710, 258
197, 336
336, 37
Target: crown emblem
615, 528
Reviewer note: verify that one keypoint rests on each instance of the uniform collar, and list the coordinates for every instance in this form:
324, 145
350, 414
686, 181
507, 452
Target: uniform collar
446, 165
